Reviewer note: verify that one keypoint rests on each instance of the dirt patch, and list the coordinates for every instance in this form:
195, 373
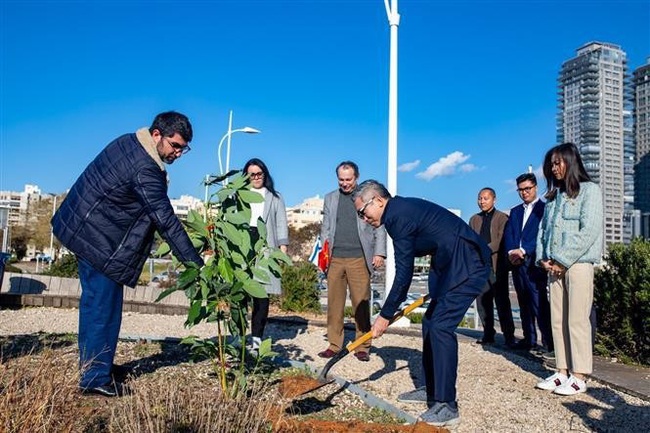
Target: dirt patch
294, 386
317, 426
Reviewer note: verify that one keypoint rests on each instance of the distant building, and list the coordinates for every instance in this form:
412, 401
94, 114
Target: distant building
182, 206
308, 212
641, 98
19, 203
591, 114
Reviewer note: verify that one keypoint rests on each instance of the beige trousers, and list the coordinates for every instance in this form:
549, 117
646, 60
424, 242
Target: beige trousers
571, 297
344, 273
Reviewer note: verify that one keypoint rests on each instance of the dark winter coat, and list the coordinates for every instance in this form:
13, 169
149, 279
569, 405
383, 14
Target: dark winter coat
112, 211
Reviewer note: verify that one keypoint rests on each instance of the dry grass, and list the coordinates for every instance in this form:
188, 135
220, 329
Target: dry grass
38, 393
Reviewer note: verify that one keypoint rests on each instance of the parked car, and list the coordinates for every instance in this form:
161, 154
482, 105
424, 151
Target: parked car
412, 297
164, 276
41, 258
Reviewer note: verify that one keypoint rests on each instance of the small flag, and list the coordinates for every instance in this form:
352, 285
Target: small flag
315, 252
324, 257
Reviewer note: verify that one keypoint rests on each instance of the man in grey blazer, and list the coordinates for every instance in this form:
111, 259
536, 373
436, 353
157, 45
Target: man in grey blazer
356, 249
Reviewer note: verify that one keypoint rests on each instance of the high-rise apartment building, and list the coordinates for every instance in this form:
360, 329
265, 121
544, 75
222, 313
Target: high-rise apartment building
591, 105
641, 98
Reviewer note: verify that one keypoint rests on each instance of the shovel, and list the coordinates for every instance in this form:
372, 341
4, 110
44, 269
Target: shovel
322, 378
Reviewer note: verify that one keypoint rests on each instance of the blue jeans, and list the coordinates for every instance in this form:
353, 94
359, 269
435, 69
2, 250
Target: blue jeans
100, 318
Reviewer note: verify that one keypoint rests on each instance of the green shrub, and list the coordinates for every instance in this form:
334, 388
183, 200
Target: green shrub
622, 299
415, 317
299, 288
66, 267
347, 312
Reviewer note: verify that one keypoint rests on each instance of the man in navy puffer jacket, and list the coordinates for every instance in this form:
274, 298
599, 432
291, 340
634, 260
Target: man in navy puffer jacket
108, 221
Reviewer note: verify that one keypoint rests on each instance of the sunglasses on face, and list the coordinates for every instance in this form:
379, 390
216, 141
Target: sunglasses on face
362, 212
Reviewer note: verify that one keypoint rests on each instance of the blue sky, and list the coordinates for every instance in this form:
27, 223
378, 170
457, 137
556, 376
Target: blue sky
477, 86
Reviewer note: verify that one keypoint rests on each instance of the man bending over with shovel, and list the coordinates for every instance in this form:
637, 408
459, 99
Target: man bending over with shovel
460, 268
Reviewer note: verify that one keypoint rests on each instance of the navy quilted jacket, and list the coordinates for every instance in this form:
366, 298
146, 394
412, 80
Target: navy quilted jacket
113, 210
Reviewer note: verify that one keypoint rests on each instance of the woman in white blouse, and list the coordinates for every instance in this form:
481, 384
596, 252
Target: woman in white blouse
273, 213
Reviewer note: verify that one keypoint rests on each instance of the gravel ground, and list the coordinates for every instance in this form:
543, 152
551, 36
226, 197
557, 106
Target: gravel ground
495, 388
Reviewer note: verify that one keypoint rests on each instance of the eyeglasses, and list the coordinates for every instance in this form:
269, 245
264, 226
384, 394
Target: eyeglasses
176, 146
258, 175
526, 189
362, 212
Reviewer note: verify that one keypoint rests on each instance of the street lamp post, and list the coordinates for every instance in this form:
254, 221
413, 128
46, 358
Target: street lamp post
393, 21
52, 231
229, 133
246, 129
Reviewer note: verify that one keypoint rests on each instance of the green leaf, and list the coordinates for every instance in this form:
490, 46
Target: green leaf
237, 218
225, 269
194, 313
188, 276
261, 228
196, 223
255, 289
261, 275
162, 250
231, 232
249, 196
166, 293
277, 254
238, 258
197, 242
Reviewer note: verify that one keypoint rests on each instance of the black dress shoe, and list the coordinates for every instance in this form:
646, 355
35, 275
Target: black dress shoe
114, 389
485, 341
522, 345
510, 343
121, 372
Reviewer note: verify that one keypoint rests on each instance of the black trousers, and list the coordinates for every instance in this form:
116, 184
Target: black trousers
534, 308
497, 293
260, 314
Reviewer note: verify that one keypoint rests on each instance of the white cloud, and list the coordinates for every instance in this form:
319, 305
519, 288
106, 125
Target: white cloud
466, 168
446, 166
409, 166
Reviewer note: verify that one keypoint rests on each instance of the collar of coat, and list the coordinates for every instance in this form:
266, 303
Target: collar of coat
145, 139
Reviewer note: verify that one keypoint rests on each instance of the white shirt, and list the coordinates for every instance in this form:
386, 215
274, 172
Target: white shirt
257, 209
528, 209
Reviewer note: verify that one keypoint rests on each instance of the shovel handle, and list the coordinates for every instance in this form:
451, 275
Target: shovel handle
368, 335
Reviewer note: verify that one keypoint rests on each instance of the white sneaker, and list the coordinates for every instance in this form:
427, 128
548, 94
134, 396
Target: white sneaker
552, 382
572, 386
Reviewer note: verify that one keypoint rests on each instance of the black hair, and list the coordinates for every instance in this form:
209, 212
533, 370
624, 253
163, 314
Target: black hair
348, 164
575, 171
487, 188
268, 180
526, 176
170, 123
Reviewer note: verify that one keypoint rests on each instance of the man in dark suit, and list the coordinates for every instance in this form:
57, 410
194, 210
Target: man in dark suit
489, 224
520, 238
460, 268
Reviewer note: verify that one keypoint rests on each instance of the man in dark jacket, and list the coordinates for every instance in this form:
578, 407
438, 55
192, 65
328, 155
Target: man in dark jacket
460, 268
108, 221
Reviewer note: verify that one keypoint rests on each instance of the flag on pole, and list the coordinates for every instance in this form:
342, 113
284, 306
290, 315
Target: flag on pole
315, 251
324, 257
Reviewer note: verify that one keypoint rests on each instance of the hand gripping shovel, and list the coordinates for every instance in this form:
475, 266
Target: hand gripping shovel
322, 378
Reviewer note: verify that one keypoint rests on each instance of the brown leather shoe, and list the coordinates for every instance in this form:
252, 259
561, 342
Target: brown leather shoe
362, 356
327, 353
